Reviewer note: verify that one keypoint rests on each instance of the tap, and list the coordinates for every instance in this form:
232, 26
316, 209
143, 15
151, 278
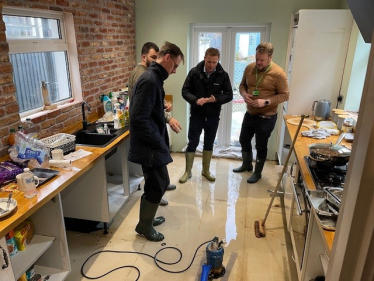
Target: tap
85, 123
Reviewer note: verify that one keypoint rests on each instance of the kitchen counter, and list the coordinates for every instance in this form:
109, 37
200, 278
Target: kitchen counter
27, 207
301, 149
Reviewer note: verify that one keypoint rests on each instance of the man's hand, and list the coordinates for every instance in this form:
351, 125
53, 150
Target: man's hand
210, 99
201, 101
259, 103
174, 125
168, 106
248, 98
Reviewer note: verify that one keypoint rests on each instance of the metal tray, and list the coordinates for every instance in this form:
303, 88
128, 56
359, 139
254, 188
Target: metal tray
44, 175
336, 192
319, 200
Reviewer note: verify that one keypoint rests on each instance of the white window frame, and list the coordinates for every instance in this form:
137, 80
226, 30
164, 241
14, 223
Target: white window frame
66, 43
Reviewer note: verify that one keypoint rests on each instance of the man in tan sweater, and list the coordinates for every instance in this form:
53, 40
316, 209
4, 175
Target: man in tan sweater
264, 85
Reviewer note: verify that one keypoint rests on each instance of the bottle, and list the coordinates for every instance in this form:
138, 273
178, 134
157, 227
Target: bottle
106, 129
28, 180
30, 129
20, 129
11, 139
113, 98
107, 103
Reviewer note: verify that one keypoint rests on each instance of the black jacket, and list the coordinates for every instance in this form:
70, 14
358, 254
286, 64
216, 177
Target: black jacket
197, 85
149, 141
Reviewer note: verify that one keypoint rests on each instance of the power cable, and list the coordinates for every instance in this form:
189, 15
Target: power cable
156, 260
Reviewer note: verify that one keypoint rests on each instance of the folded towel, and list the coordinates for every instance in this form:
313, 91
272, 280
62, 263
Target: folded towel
319, 133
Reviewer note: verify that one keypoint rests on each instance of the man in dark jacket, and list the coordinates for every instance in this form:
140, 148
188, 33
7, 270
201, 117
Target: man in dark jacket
206, 88
149, 142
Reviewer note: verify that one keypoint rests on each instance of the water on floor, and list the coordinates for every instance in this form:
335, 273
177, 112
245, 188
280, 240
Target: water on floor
198, 211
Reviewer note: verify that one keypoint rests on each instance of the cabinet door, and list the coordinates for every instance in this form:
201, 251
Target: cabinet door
6, 270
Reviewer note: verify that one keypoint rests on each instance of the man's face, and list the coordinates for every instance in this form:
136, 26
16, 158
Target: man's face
150, 57
172, 63
262, 61
211, 63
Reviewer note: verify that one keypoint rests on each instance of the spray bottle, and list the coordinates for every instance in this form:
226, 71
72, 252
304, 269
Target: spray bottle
107, 103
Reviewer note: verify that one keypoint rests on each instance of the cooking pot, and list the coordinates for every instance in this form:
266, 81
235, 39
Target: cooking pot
321, 110
328, 154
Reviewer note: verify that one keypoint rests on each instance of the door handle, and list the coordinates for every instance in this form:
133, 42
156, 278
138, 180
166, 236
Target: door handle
298, 205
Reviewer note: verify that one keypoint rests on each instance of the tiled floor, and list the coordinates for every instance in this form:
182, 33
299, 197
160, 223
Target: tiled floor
197, 212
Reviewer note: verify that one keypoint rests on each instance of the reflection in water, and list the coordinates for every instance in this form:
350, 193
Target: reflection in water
233, 187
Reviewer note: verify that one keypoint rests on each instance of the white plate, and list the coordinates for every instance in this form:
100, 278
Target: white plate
3, 204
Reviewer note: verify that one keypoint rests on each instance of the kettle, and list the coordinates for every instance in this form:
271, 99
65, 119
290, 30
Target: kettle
321, 110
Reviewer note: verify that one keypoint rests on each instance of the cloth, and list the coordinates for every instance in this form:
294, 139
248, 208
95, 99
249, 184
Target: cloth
149, 141
273, 86
134, 76
319, 133
156, 180
197, 85
260, 128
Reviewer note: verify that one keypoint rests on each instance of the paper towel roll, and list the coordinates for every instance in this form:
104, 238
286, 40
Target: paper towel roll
60, 163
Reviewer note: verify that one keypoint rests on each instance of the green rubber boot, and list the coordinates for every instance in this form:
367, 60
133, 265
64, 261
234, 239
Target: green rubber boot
258, 170
207, 156
156, 221
144, 227
247, 163
189, 162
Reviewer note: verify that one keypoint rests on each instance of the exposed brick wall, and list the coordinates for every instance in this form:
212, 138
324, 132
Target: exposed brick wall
105, 34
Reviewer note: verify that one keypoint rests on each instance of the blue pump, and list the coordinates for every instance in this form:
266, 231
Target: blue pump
214, 256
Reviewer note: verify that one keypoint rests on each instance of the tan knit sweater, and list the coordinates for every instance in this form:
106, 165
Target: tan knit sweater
273, 86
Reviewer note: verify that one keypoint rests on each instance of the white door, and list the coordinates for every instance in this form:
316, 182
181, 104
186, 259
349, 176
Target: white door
237, 45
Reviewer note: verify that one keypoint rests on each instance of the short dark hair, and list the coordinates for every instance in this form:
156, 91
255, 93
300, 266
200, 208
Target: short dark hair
148, 46
172, 49
265, 48
212, 52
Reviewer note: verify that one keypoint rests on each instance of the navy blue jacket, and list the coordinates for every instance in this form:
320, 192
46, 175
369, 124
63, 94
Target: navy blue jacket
197, 85
149, 141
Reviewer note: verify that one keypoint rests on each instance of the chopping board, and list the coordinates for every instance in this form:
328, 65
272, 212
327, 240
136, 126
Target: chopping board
310, 124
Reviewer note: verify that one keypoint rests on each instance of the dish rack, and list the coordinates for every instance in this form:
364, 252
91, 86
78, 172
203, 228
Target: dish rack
62, 141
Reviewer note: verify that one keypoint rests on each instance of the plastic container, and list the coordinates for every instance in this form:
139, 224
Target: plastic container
107, 103
62, 141
11, 139
28, 180
30, 128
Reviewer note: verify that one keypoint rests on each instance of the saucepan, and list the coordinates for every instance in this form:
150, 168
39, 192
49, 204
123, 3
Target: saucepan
328, 154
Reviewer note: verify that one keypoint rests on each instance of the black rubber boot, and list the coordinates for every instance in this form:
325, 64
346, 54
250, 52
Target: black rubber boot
247, 163
258, 170
156, 221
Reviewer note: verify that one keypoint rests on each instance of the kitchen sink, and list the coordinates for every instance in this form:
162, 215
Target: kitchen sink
90, 137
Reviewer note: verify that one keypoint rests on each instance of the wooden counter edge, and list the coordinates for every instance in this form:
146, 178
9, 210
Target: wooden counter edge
55, 186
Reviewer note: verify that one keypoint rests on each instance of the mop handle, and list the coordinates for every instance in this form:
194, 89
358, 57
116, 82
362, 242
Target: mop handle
284, 168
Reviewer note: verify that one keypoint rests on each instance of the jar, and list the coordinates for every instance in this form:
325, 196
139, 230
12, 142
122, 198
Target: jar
347, 127
28, 180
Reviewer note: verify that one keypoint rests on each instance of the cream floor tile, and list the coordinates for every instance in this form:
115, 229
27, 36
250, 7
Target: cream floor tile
198, 211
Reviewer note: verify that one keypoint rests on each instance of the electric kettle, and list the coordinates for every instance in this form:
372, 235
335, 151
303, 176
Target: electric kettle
321, 110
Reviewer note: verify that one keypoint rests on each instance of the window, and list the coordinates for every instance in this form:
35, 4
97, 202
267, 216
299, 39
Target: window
40, 55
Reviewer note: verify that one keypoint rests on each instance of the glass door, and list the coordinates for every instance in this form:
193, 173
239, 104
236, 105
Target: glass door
238, 47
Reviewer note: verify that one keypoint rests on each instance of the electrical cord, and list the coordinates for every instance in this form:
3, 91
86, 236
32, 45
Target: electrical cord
157, 261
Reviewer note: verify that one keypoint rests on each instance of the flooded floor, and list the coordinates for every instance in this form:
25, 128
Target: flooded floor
197, 212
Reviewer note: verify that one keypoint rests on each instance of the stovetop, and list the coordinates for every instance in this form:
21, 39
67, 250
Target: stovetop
326, 176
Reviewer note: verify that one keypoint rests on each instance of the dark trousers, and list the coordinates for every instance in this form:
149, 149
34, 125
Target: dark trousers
197, 124
259, 127
156, 180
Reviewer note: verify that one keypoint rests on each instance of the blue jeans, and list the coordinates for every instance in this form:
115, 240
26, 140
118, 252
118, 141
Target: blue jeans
197, 124
260, 128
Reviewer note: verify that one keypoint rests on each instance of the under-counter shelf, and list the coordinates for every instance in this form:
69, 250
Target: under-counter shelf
26, 258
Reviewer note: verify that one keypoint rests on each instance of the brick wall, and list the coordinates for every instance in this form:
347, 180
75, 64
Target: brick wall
105, 34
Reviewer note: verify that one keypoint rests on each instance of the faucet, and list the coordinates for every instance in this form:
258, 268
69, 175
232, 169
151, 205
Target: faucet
85, 123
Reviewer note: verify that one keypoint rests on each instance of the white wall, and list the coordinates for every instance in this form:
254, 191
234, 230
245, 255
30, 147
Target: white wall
169, 20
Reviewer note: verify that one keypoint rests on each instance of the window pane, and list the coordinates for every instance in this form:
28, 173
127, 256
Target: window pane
31, 69
207, 40
18, 27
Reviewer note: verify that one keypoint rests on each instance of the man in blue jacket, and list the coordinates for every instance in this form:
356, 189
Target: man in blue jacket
206, 88
149, 142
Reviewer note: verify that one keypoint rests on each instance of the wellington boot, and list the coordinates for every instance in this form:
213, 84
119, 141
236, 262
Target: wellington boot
189, 162
207, 156
146, 215
156, 221
258, 170
247, 163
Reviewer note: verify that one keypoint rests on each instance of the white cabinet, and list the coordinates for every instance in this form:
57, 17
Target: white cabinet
99, 194
47, 250
317, 52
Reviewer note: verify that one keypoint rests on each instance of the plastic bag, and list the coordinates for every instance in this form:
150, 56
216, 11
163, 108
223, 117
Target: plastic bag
27, 148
